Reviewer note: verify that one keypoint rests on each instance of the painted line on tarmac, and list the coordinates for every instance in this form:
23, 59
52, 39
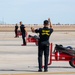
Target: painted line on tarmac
42, 73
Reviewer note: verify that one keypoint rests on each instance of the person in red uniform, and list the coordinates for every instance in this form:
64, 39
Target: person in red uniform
43, 43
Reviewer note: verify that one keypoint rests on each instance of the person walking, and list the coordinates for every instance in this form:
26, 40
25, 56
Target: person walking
23, 31
43, 43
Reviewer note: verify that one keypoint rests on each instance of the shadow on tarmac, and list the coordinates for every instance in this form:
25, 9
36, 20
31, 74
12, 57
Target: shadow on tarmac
31, 70
14, 45
59, 67
19, 70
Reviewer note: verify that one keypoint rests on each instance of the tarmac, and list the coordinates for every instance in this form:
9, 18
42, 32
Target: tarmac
23, 60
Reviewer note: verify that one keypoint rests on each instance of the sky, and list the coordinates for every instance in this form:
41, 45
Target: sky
36, 11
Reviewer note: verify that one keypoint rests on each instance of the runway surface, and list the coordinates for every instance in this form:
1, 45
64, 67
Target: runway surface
22, 60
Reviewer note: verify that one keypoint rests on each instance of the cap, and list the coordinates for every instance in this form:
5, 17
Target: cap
45, 22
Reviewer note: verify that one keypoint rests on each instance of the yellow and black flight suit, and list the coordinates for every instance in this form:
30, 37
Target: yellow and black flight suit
43, 46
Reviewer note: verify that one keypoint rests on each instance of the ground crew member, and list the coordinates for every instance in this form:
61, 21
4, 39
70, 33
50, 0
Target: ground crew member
23, 31
16, 30
43, 43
